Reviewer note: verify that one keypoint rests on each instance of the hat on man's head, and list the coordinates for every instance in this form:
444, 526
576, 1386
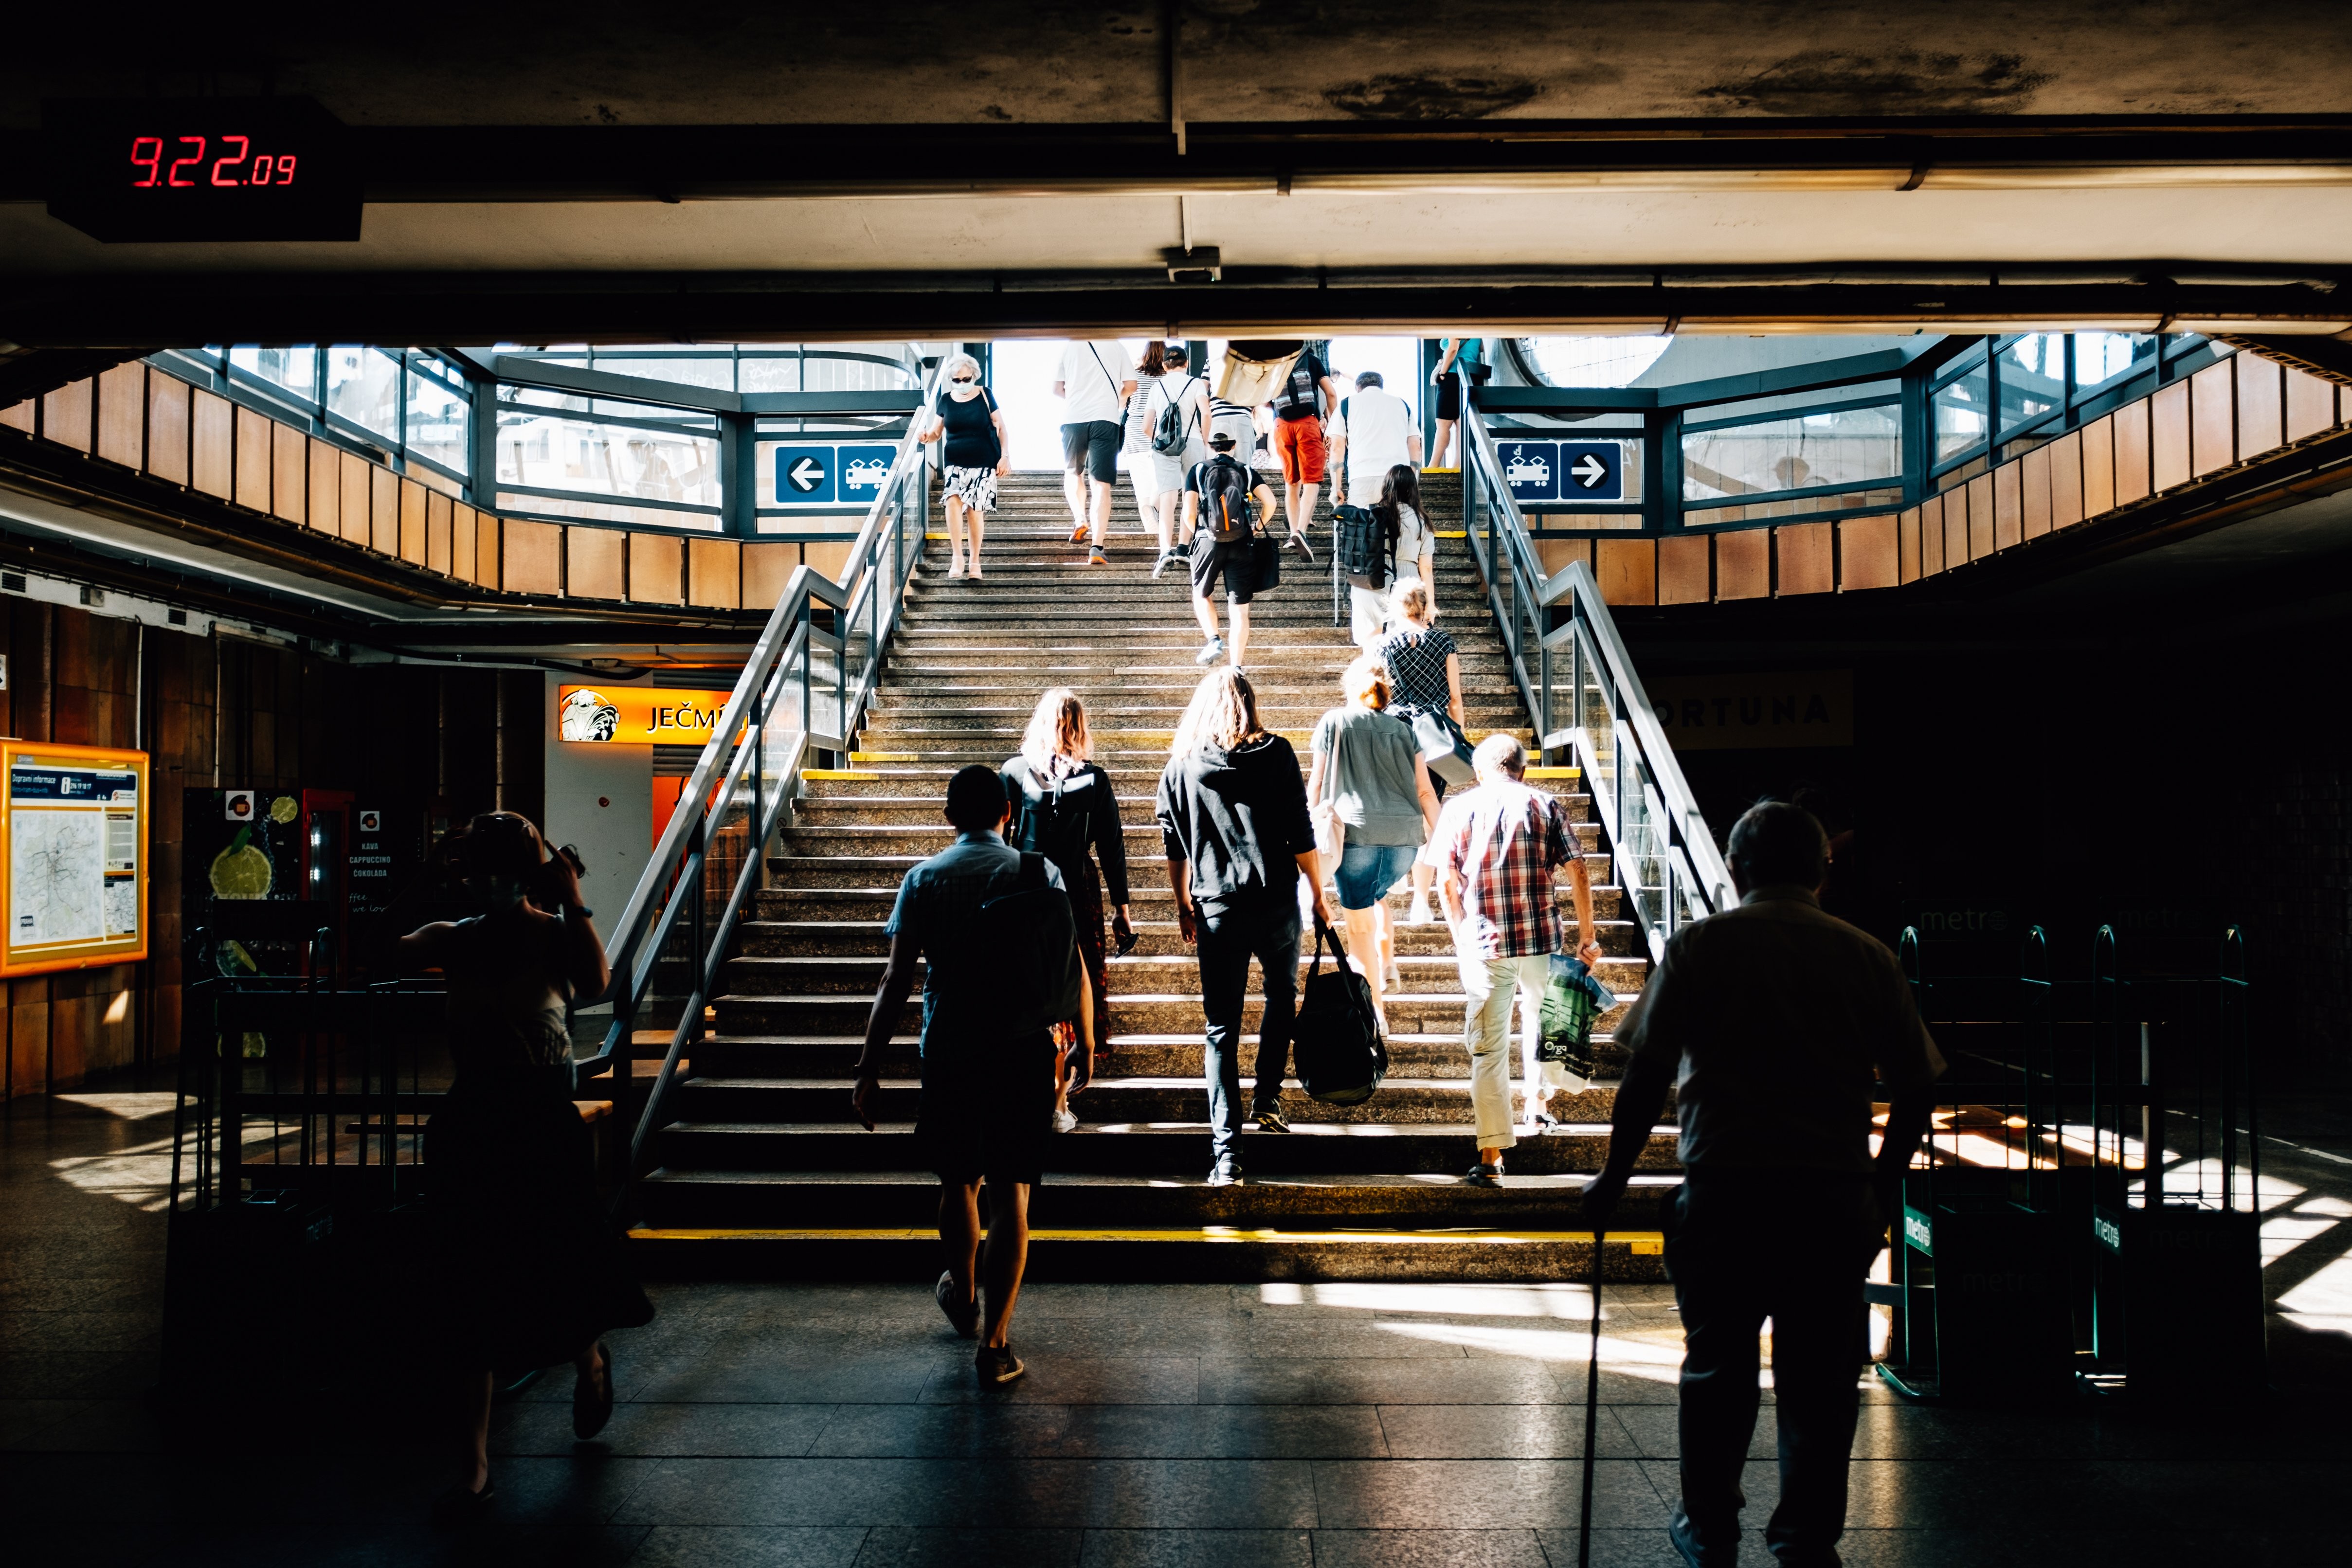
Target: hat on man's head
975, 796
1223, 440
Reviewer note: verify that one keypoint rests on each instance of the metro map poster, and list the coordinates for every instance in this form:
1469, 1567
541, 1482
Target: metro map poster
73, 834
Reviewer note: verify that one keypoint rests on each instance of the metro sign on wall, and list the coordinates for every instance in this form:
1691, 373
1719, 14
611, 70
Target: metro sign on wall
1563, 470
802, 473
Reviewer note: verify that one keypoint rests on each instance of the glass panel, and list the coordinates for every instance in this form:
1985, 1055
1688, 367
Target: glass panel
1592, 361
768, 373
437, 423
1960, 409
856, 367
364, 386
2102, 357
1637, 865
2032, 378
618, 513
561, 451
296, 370
1599, 731
1843, 447
715, 372
1872, 500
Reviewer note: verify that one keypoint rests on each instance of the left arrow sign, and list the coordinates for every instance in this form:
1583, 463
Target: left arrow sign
806, 475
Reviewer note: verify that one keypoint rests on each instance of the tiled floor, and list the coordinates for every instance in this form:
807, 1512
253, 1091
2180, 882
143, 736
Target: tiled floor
1228, 1425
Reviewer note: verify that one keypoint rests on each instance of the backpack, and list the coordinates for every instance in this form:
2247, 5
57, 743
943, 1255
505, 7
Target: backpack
1174, 429
1336, 1038
1296, 398
1226, 487
1060, 830
1029, 950
1362, 547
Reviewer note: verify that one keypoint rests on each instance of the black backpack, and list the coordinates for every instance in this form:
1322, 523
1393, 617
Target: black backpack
1059, 828
1363, 547
1174, 431
1226, 487
1029, 950
1335, 1039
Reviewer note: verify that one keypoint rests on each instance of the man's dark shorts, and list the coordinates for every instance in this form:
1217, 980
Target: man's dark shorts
987, 1109
1235, 559
1092, 446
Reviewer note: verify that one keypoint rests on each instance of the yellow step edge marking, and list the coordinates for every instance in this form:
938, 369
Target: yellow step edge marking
1555, 773
1642, 1242
883, 756
1451, 533
839, 775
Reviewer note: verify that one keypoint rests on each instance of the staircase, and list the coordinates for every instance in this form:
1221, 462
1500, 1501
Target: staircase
762, 1170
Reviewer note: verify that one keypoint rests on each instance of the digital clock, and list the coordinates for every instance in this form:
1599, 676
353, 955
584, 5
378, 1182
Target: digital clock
166, 169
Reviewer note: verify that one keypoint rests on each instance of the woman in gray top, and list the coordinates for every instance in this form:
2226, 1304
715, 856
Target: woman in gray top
1369, 775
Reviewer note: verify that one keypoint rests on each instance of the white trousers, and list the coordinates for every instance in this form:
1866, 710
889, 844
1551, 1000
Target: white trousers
1490, 984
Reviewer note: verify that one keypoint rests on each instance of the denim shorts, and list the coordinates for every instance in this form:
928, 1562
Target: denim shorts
1366, 872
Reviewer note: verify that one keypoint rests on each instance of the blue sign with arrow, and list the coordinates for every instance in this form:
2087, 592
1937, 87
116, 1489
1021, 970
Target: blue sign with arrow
806, 475
1591, 471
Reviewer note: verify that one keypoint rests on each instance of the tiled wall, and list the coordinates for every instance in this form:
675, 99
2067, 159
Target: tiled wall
144, 419
2225, 415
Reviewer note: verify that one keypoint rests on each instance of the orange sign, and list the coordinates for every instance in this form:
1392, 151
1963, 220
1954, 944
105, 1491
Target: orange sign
636, 716
73, 888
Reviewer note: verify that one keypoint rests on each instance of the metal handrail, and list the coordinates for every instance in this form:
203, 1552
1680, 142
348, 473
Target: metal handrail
797, 691
1666, 859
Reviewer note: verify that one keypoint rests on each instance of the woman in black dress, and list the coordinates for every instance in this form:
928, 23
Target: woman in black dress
967, 417
533, 1273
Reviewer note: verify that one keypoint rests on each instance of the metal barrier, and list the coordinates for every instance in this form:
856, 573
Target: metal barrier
1577, 680
807, 683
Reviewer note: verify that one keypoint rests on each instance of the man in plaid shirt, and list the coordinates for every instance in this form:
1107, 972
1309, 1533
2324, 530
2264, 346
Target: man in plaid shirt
1497, 848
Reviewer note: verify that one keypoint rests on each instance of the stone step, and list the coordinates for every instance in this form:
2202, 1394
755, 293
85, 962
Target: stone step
1131, 1012
1154, 938
866, 900
1133, 698
1356, 1149
831, 810
1119, 1102
1424, 975
1073, 1199
865, 871
1143, 838
1134, 1054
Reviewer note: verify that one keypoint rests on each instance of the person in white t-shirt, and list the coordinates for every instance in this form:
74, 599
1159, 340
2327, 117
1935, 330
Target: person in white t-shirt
1095, 382
1372, 431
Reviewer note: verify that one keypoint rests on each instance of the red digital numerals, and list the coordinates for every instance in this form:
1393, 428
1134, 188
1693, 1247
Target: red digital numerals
181, 172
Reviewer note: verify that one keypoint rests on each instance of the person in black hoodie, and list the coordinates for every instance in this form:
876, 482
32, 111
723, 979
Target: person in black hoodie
1232, 816
1063, 808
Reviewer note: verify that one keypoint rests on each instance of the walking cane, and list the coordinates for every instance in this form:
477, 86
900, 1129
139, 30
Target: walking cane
1591, 1412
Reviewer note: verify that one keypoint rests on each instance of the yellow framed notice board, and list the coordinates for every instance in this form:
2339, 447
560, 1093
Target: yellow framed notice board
73, 857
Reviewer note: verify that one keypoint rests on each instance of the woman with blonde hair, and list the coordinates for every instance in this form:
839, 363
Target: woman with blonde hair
1369, 775
1233, 818
1064, 807
1425, 675
966, 415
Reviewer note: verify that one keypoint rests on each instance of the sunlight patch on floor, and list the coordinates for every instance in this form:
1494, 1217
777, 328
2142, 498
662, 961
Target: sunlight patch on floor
139, 1176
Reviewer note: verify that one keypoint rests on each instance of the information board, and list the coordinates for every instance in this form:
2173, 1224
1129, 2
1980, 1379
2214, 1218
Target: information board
74, 894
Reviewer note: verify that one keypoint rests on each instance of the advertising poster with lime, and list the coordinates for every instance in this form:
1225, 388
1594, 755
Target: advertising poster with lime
248, 843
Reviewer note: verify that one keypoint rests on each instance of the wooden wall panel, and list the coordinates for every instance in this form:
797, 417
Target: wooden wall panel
533, 560
2131, 426
767, 571
351, 496
1867, 553
66, 415
2310, 405
828, 556
1686, 569
326, 506
2212, 419
1554, 554
289, 472
1806, 559
1627, 570
2099, 467
123, 415
1931, 535
1981, 540
412, 522
489, 560
2066, 480
253, 460
714, 574
2262, 405
1956, 527
437, 525
2034, 482
462, 520
2007, 505
594, 565
384, 511
1906, 547
1743, 564
213, 464
167, 428
657, 569
2167, 437
24, 416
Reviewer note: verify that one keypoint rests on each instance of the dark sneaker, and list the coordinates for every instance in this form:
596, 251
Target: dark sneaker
1703, 1548
997, 1366
1270, 1119
1167, 559
1298, 542
1226, 1173
1079, 534
1483, 1175
1098, 558
964, 1317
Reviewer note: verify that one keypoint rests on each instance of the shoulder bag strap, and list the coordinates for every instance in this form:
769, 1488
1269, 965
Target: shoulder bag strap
1096, 350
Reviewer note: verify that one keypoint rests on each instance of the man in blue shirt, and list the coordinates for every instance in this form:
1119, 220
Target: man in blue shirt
987, 1107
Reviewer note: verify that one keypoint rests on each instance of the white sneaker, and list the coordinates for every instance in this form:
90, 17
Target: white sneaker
1065, 1120
1419, 914
1209, 655
1393, 979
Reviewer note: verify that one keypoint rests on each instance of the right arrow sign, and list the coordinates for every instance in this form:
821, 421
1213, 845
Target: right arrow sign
1594, 470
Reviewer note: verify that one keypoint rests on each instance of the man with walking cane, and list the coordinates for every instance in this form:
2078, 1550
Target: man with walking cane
1770, 1020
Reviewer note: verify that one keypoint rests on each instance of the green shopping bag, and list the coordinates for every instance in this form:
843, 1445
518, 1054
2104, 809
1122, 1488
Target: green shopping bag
1573, 1000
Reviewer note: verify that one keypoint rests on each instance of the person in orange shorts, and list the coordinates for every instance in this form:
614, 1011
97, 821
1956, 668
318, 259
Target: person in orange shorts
1299, 405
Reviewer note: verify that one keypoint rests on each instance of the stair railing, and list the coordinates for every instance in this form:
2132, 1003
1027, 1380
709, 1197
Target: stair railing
1578, 682
803, 689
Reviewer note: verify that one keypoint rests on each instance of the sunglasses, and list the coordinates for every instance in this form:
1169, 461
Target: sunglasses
963, 381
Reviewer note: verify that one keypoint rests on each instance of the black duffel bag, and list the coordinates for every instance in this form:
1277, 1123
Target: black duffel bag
1337, 1040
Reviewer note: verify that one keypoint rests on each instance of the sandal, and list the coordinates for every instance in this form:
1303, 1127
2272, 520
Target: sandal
592, 1407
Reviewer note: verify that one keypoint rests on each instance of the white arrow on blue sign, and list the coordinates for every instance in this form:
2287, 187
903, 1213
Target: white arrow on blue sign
805, 474
1591, 471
